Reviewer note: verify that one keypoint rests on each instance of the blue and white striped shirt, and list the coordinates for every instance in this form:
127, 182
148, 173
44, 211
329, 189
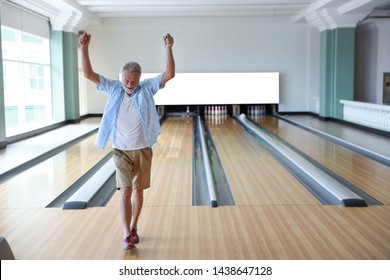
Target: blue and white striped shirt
144, 103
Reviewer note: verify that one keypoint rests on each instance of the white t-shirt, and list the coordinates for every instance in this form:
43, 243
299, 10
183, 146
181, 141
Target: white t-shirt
129, 132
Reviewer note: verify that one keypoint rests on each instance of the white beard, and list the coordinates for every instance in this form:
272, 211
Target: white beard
128, 90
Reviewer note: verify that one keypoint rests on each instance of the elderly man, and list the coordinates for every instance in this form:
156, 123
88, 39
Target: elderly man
130, 121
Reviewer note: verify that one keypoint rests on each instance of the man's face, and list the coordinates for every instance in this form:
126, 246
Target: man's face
130, 81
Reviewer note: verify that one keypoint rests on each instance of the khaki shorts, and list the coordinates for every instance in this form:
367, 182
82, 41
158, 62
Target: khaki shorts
133, 168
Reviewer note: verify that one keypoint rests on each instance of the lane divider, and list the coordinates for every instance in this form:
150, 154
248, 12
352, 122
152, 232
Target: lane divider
81, 198
206, 162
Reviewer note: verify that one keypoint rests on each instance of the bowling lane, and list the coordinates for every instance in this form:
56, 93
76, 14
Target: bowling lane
368, 140
171, 182
368, 175
254, 176
42, 183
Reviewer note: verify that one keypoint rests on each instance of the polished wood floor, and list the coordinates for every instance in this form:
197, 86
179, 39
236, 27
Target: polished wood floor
275, 218
20, 152
171, 181
368, 140
184, 232
254, 176
42, 183
368, 175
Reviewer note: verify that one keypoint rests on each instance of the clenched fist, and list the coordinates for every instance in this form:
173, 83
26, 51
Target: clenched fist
168, 40
84, 40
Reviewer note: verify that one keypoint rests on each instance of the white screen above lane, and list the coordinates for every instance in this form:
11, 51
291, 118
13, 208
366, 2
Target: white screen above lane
219, 88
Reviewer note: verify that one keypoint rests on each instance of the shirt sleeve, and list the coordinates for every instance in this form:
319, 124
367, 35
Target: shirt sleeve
107, 86
153, 84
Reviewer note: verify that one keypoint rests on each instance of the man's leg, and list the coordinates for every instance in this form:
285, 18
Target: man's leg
137, 202
142, 168
125, 209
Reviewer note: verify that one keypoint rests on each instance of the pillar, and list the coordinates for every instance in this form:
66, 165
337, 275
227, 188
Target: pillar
2, 104
337, 56
65, 76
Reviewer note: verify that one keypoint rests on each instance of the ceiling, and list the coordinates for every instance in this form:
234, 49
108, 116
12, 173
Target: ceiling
137, 8
79, 13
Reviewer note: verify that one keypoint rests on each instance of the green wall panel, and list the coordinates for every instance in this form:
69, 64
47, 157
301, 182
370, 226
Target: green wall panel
2, 107
336, 70
65, 75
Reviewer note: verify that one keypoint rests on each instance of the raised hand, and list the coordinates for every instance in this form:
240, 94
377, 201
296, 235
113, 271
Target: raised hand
168, 40
84, 39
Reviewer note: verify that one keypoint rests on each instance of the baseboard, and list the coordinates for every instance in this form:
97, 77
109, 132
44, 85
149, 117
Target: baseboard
299, 113
3, 144
83, 117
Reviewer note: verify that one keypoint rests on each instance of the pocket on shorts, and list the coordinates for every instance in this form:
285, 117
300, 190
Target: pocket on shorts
115, 152
120, 159
116, 155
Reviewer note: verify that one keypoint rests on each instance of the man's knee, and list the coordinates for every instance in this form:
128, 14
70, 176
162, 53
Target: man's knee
126, 193
138, 193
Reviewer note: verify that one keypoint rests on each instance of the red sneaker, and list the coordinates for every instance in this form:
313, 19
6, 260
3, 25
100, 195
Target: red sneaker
134, 236
128, 243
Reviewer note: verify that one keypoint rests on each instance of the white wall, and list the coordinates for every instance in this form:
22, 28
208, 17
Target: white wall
206, 45
372, 59
383, 57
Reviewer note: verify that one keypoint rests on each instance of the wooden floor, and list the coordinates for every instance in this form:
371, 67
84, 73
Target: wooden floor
41, 184
254, 176
368, 140
184, 232
274, 218
368, 175
171, 167
19, 153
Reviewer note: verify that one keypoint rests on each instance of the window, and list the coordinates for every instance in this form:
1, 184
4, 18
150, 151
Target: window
37, 78
27, 86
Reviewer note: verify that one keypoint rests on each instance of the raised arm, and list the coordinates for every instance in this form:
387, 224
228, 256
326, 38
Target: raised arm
84, 41
170, 70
